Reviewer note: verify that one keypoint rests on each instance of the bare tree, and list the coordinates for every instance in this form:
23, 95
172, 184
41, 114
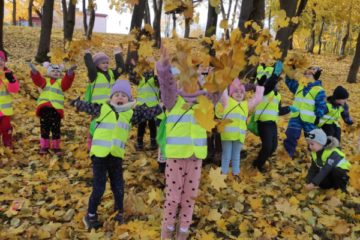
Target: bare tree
354, 68
30, 6
226, 15
1, 24
91, 8
312, 35
211, 21
45, 33
14, 13
84, 16
138, 15
157, 4
320, 34
147, 16
69, 19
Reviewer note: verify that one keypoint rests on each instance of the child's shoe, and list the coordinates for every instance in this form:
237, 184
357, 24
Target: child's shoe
167, 233
119, 218
55, 145
153, 144
91, 222
182, 234
139, 145
44, 146
162, 166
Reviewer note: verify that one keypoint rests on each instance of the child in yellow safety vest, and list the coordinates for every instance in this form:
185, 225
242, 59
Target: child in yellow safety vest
329, 167
236, 109
336, 107
8, 85
113, 123
50, 104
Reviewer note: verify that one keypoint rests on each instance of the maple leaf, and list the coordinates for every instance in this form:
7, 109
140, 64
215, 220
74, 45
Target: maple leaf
204, 113
214, 215
154, 195
217, 179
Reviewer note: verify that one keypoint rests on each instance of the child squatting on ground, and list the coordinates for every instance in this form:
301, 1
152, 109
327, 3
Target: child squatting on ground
329, 167
113, 123
236, 109
50, 104
8, 85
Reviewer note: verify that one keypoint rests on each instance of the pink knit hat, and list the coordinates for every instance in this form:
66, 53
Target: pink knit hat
236, 85
99, 57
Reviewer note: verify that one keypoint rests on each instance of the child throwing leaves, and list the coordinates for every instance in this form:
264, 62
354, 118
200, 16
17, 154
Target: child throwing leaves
336, 108
186, 147
329, 168
50, 104
236, 109
8, 85
113, 122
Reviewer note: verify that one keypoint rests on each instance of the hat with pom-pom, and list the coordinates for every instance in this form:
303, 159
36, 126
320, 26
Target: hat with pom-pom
100, 57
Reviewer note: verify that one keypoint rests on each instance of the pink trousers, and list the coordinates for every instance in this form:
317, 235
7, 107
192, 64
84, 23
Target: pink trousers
182, 184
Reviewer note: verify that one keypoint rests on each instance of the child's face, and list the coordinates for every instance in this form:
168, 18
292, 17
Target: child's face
55, 74
104, 65
2, 63
340, 101
119, 98
238, 95
314, 146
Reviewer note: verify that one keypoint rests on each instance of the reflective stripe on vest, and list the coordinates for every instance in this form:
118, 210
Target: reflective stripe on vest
261, 71
332, 116
184, 136
268, 108
5, 100
306, 104
52, 93
147, 93
111, 134
343, 163
237, 113
101, 87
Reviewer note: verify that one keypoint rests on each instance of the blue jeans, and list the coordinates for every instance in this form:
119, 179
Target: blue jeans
230, 151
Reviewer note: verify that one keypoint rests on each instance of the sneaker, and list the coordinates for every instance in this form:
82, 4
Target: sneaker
91, 222
167, 233
182, 235
43, 151
119, 218
58, 152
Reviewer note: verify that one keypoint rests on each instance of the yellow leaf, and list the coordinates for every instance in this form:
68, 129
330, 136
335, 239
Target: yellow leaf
341, 228
214, 215
217, 179
224, 24
154, 195
214, 3
204, 113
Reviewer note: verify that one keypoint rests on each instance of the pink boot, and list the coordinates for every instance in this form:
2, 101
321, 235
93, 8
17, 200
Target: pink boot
55, 146
44, 146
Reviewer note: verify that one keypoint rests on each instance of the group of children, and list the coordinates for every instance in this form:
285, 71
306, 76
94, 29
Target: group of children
113, 111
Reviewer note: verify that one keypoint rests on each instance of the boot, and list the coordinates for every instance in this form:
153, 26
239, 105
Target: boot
7, 138
153, 144
55, 146
139, 144
44, 146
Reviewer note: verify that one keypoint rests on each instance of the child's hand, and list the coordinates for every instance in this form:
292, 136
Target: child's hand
10, 77
164, 56
75, 102
293, 109
118, 50
310, 186
72, 69
33, 68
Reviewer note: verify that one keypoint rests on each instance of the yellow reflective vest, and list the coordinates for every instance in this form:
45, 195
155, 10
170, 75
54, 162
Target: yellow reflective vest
52, 93
333, 115
184, 136
148, 93
5, 100
343, 163
268, 108
237, 113
111, 134
306, 104
101, 88
261, 71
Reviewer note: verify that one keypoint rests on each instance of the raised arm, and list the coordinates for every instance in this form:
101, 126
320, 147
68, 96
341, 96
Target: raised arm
91, 68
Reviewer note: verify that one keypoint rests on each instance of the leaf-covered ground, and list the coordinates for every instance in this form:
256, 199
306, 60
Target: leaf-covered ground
51, 193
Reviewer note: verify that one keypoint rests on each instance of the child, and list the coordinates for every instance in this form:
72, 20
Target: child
310, 101
232, 138
50, 104
329, 167
113, 122
186, 147
148, 94
8, 85
267, 113
101, 78
336, 108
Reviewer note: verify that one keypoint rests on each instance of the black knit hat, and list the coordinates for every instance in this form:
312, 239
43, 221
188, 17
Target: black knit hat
340, 93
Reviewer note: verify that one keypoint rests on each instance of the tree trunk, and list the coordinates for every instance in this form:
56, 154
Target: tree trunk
70, 22
226, 16
138, 15
30, 13
157, 22
345, 39
251, 11
147, 17
65, 10
1, 24
312, 36
354, 68
91, 8
234, 15
84, 17
14, 13
174, 21
45, 34
187, 28
211, 21
284, 34
320, 34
